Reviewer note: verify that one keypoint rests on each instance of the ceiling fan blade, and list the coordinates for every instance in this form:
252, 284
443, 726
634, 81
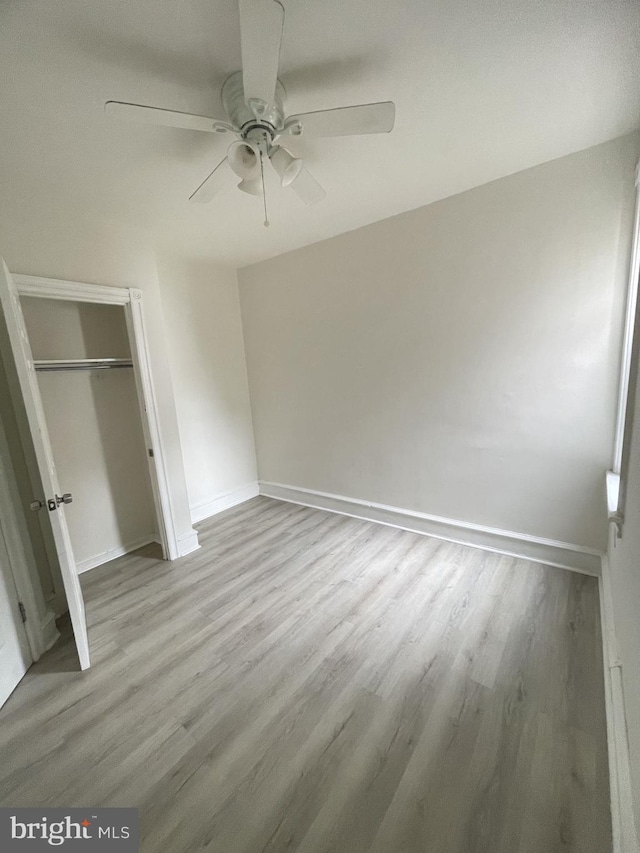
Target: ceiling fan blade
166, 118
344, 121
211, 185
307, 188
261, 23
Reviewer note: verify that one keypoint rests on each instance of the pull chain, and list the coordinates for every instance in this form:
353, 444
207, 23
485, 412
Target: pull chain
264, 193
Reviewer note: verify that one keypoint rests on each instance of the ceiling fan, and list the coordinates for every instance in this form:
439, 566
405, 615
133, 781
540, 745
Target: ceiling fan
253, 100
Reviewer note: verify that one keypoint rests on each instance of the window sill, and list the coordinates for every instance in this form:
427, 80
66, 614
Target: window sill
613, 494
613, 500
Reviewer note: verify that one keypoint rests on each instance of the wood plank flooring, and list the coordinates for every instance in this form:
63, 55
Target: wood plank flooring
309, 682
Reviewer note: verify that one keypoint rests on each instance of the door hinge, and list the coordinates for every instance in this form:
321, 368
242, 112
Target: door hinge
23, 612
151, 452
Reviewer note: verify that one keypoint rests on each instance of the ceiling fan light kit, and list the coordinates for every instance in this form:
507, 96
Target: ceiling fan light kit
253, 187
244, 159
253, 100
286, 165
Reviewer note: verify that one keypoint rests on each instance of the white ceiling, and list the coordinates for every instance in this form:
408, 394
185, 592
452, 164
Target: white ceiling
483, 88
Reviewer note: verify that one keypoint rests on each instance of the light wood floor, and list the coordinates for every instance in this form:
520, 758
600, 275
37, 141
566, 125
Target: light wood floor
309, 682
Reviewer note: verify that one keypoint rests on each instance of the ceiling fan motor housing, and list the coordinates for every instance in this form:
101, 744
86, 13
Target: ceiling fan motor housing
241, 116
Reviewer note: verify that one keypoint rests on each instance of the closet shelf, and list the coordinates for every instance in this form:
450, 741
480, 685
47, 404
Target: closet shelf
81, 364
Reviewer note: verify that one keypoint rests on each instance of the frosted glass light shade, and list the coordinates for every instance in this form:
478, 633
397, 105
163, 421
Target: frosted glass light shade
244, 159
287, 166
252, 187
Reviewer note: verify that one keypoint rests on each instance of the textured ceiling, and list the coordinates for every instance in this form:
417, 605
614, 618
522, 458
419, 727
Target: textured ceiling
482, 89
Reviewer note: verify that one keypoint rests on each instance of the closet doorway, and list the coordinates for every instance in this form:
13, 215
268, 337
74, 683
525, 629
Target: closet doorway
83, 363
80, 355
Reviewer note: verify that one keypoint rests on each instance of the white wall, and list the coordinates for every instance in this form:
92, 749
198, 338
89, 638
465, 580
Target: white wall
46, 236
95, 429
206, 352
459, 360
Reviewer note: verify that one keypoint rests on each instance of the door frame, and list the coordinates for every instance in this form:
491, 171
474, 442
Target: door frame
131, 299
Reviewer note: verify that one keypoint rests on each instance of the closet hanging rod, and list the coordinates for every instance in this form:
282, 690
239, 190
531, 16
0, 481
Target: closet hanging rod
49, 365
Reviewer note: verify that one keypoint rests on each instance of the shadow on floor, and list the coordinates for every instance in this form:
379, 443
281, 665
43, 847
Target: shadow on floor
62, 657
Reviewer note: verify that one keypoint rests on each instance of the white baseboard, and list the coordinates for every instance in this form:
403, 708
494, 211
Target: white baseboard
625, 839
548, 551
188, 543
223, 501
112, 553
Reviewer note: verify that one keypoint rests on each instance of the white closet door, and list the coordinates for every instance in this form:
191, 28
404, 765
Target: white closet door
20, 351
15, 657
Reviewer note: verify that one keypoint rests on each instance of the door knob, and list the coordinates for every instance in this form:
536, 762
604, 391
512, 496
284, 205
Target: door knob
53, 505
